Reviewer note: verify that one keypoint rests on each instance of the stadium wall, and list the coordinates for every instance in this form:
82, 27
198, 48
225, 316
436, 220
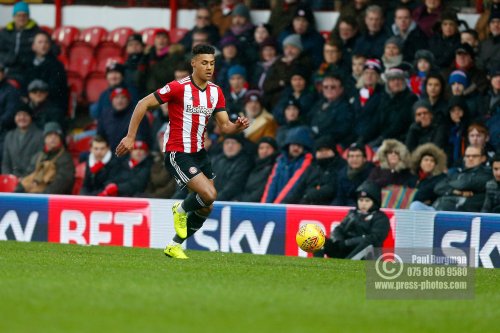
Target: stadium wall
113, 17
232, 227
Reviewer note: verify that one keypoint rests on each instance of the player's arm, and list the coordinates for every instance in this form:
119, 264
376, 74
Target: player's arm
228, 127
145, 104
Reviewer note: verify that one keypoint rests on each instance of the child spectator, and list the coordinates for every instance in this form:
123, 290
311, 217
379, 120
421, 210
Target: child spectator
424, 64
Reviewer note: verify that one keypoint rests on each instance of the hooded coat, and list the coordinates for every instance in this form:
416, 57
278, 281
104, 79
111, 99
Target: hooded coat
426, 185
383, 175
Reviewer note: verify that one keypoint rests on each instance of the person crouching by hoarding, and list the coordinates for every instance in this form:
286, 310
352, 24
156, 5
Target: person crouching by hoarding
363, 229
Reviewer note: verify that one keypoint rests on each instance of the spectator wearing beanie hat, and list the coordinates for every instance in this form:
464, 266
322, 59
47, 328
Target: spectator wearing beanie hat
21, 143
424, 64
242, 29
16, 40
489, 49
303, 25
291, 114
459, 86
238, 87
392, 56
44, 108
299, 90
319, 183
424, 128
279, 73
366, 103
133, 173
261, 121
9, 99
444, 42
53, 150
113, 122
267, 152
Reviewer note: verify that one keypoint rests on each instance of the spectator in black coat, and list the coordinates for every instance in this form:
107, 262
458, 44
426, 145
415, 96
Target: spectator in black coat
203, 21
332, 114
267, 151
113, 122
45, 66
292, 119
132, 176
444, 43
428, 164
371, 43
395, 108
352, 175
364, 227
9, 101
346, 34
44, 108
465, 191
100, 167
135, 63
424, 129
408, 31
435, 88
366, 102
455, 129
319, 183
16, 40
232, 168
492, 199
238, 87
489, 49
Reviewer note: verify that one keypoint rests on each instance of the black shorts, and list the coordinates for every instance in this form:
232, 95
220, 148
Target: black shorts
184, 166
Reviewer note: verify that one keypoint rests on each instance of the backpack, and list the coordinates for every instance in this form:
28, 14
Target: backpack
44, 174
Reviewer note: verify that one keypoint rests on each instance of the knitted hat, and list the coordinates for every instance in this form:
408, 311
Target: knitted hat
52, 127
395, 40
120, 91
458, 77
305, 12
395, 73
357, 146
424, 54
115, 67
228, 40
374, 64
293, 40
253, 96
135, 38
38, 85
422, 104
465, 48
293, 102
241, 10
23, 107
237, 70
269, 140
19, 7
138, 144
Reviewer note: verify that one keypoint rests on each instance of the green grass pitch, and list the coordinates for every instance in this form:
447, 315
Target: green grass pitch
67, 288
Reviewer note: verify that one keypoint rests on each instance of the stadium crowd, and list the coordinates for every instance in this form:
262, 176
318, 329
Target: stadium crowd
402, 94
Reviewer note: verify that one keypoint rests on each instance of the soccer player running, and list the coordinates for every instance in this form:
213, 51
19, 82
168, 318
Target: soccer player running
191, 102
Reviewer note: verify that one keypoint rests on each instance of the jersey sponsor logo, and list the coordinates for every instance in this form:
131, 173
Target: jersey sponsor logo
199, 109
165, 90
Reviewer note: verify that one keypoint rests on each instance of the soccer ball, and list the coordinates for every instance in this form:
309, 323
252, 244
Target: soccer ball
310, 237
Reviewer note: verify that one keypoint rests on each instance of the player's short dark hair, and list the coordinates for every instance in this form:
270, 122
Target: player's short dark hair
202, 49
100, 139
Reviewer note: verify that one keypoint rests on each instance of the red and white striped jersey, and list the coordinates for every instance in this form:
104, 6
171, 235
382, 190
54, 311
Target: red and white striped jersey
189, 109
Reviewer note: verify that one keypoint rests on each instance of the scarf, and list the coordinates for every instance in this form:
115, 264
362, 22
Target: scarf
365, 94
422, 175
95, 166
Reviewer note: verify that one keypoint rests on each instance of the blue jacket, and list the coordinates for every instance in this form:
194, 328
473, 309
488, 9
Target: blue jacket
287, 172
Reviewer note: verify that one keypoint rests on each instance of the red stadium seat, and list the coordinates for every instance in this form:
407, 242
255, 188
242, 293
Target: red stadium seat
79, 176
94, 35
81, 59
65, 36
47, 29
75, 83
148, 35
177, 34
104, 62
94, 85
108, 50
325, 34
120, 35
8, 183
64, 60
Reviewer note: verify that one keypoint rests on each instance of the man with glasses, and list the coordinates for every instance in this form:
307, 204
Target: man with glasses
332, 114
203, 23
464, 191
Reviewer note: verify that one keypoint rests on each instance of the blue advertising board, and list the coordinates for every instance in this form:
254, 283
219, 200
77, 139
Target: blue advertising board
24, 218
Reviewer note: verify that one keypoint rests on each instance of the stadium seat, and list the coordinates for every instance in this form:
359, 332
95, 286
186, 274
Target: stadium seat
120, 35
65, 36
94, 85
79, 176
148, 35
47, 29
81, 59
8, 183
325, 34
177, 34
64, 60
104, 62
93, 36
75, 83
107, 50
